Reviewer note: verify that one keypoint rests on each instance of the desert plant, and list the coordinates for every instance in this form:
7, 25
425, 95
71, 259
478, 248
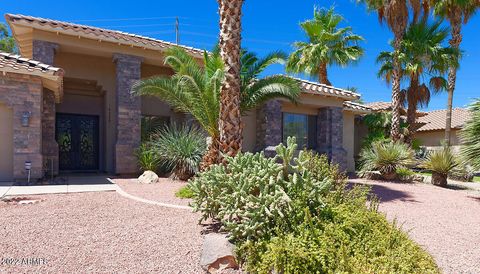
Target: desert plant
184, 193
251, 196
347, 227
147, 157
462, 172
405, 174
470, 136
385, 157
440, 163
180, 149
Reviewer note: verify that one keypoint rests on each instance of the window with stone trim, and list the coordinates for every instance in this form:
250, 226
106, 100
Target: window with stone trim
302, 126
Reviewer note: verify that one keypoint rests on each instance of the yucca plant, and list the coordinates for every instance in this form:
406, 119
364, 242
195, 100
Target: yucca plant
440, 163
470, 136
180, 149
386, 157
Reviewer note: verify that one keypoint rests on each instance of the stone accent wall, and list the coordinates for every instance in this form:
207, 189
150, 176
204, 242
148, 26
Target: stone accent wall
128, 70
269, 127
23, 94
330, 135
44, 52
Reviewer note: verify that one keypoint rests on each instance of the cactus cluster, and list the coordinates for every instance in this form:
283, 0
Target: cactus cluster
253, 196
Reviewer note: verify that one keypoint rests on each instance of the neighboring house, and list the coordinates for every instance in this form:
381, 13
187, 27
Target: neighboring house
432, 133
67, 107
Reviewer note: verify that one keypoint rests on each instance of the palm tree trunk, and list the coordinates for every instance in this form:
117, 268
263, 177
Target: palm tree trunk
455, 41
323, 75
230, 123
396, 102
412, 109
212, 155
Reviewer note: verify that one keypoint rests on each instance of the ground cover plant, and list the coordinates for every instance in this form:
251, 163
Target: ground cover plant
296, 214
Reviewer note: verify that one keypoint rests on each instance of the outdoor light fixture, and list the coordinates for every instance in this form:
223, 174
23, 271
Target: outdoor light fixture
26, 118
28, 168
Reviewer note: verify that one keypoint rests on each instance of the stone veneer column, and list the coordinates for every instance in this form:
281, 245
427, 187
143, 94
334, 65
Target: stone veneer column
128, 70
44, 52
23, 94
330, 135
269, 127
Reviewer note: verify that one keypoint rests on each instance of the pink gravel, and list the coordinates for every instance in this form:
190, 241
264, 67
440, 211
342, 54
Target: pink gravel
99, 233
445, 222
163, 191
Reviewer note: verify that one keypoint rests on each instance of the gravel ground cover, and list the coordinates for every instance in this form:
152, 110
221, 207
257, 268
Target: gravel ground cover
163, 191
445, 222
98, 233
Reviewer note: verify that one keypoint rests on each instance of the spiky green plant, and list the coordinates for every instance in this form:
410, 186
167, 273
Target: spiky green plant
440, 163
147, 157
385, 156
470, 136
180, 149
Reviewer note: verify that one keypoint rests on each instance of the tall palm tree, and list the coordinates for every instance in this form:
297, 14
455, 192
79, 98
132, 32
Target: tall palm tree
423, 61
195, 88
7, 43
328, 44
396, 14
230, 124
456, 12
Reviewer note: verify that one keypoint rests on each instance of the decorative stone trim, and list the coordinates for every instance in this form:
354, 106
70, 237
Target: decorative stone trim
269, 127
128, 70
330, 135
44, 52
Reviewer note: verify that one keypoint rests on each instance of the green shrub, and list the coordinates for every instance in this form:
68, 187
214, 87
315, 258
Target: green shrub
184, 193
470, 136
345, 237
440, 163
147, 157
180, 149
405, 174
385, 157
255, 195
462, 172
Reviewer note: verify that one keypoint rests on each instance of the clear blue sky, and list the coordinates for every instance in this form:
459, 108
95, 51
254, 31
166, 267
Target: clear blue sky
267, 26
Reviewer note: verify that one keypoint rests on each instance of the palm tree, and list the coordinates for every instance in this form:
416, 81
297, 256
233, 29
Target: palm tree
230, 124
396, 14
456, 12
7, 43
328, 45
422, 57
195, 89
470, 135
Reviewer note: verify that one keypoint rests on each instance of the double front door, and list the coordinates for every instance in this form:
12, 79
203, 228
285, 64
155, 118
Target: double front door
77, 137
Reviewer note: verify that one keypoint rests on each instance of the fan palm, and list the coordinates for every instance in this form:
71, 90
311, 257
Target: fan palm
396, 14
470, 136
456, 12
328, 45
195, 89
422, 57
230, 123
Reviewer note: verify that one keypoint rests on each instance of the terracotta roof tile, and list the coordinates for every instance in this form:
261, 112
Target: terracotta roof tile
435, 120
356, 107
98, 33
321, 89
16, 62
387, 106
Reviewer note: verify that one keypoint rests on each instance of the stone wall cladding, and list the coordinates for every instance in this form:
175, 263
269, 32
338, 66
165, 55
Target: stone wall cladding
128, 70
23, 93
269, 127
44, 52
330, 135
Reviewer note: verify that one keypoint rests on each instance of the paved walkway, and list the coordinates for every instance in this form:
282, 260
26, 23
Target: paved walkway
73, 184
446, 222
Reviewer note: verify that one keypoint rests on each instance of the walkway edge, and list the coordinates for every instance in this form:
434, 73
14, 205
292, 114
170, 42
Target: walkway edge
142, 200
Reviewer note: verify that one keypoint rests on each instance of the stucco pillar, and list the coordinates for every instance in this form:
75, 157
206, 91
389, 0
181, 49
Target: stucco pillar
44, 52
128, 70
269, 127
330, 135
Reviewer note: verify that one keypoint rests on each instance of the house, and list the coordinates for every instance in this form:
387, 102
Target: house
65, 105
432, 132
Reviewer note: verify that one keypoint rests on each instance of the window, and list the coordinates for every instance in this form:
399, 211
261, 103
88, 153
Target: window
150, 124
303, 127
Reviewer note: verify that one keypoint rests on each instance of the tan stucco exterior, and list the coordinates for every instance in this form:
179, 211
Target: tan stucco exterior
434, 138
349, 139
6, 143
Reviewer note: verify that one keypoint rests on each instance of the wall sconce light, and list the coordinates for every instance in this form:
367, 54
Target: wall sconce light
26, 118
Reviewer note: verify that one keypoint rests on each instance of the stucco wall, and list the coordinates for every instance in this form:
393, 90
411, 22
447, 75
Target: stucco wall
6, 143
434, 138
349, 139
249, 131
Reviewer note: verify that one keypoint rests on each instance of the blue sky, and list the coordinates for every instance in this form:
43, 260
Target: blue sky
267, 25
